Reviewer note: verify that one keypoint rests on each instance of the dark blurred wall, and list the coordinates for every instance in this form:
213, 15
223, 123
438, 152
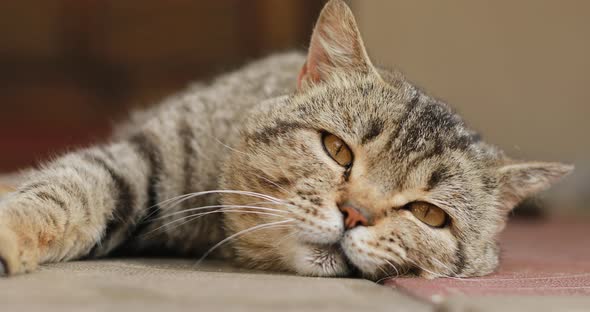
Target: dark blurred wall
70, 68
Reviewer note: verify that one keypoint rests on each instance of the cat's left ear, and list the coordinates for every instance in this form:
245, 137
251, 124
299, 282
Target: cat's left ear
336, 46
519, 180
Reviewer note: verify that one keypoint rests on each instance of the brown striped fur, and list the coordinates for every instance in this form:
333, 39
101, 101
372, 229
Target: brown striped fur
259, 129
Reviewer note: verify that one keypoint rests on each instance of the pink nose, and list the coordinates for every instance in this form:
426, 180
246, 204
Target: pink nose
352, 217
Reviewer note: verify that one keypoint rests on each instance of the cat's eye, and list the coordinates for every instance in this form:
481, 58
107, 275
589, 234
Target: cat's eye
428, 213
337, 149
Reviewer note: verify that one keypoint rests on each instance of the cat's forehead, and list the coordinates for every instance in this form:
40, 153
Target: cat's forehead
368, 110
393, 126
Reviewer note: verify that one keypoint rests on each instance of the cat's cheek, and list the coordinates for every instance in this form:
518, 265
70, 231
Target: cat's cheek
318, 261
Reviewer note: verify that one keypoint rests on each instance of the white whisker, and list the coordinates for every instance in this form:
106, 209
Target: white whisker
393, 266
397, 273
246, 231
229, 147
199, 215
434, 273
272, 182
179, 199
287, 236
442, 264
238, 192
218, 206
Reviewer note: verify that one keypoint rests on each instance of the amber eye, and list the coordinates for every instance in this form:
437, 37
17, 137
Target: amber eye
428, 213
337, 149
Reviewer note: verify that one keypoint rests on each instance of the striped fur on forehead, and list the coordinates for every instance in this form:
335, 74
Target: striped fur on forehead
356, 107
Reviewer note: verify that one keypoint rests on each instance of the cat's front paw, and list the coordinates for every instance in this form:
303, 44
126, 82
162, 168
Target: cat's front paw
13, 259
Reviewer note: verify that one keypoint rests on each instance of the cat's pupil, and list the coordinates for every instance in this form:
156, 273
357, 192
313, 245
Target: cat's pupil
428, 213
337, 149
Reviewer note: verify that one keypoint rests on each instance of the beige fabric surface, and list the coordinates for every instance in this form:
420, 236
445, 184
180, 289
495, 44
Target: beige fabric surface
517, 304
179, 285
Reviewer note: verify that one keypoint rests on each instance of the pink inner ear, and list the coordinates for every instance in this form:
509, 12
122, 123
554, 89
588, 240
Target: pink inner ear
306, 74
301, 75
335, 46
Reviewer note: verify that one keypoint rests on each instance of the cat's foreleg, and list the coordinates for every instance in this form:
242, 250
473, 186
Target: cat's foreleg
65, 209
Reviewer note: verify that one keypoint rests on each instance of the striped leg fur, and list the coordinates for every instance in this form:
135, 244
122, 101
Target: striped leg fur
65, 210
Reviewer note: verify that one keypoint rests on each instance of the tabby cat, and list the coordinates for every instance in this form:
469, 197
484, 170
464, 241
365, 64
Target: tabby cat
319, 164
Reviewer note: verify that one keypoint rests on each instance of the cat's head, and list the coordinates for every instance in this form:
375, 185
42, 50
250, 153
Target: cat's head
364, 172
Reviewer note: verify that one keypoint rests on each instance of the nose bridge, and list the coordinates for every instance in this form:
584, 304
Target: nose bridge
363, 193
362, 202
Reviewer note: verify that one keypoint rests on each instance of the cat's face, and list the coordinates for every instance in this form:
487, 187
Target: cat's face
366, 173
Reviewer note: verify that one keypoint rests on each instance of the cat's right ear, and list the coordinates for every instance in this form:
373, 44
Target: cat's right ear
336, 46
519, 180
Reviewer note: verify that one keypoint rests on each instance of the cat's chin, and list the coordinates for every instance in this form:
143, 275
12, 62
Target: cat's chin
321, 260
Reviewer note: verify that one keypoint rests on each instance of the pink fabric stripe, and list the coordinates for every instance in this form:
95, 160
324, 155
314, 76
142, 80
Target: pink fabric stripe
538, 258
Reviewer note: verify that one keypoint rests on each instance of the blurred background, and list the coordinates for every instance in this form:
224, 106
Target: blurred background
518, 71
